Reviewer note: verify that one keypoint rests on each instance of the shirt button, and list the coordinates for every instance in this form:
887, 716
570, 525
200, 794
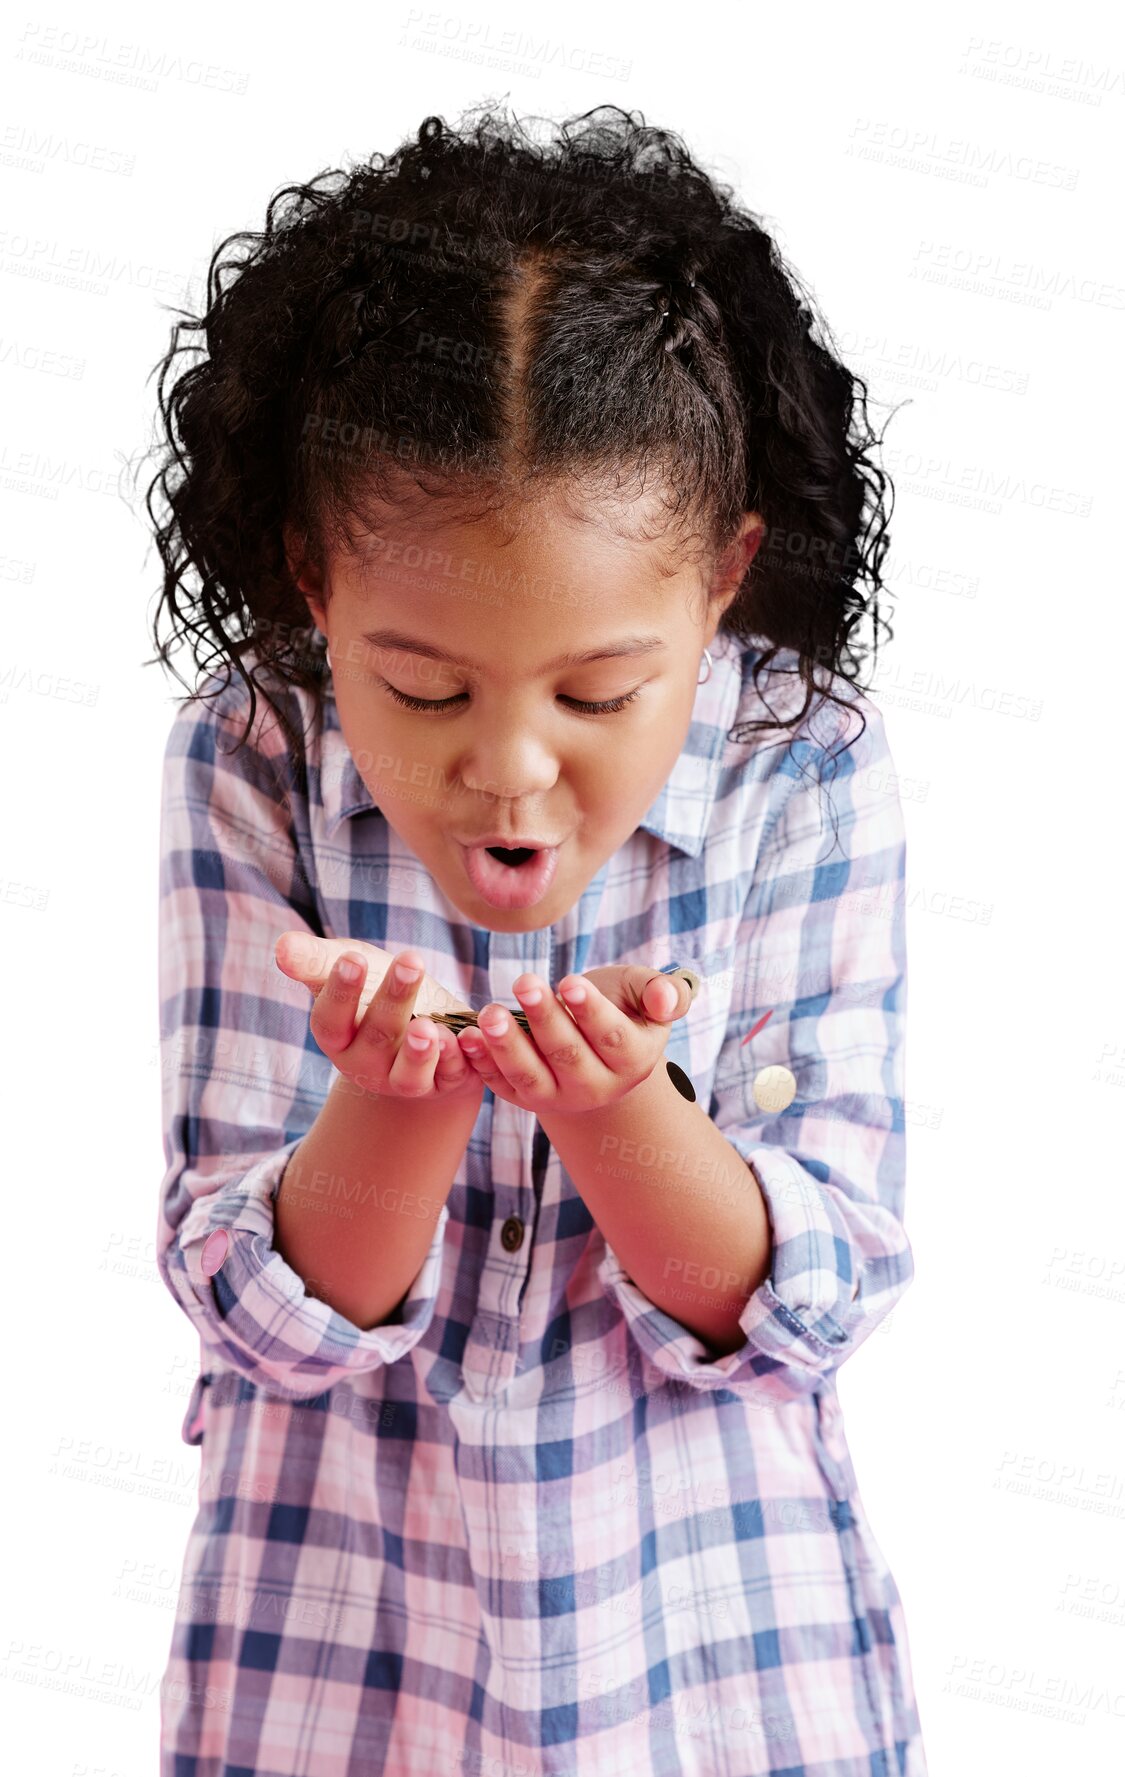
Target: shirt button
511, 1234
774, 1089
215, 1249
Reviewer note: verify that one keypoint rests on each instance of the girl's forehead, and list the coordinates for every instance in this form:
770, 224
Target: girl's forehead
465, 585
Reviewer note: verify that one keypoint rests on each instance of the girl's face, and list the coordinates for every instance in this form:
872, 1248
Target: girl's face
473, 621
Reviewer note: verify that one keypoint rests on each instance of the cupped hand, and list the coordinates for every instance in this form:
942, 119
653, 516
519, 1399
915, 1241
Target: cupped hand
582, 1052
370, 1027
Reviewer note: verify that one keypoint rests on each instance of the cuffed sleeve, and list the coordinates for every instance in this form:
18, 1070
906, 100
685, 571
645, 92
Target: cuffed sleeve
242, 1077
256, 1312
820, 991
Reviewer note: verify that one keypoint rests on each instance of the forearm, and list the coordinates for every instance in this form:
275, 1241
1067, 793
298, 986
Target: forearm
361, 1196
677, 1203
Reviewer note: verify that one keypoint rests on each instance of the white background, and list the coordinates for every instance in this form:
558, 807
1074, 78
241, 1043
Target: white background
946, 181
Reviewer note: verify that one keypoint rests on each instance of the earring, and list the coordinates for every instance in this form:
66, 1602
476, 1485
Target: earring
705, 676
327, 656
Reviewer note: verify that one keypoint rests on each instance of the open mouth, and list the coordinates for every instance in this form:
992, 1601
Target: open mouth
521, 855
510, 877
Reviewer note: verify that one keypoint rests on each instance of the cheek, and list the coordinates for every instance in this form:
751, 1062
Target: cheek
664, 727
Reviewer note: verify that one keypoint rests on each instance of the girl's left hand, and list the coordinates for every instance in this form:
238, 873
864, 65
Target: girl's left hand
581, 1054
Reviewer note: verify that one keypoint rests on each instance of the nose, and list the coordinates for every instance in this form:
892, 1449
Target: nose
507, 762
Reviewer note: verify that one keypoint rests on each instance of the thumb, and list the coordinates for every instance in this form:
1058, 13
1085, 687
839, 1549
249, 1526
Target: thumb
666, 997
306, 958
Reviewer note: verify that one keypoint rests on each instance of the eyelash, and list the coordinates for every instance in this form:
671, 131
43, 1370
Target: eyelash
445, 703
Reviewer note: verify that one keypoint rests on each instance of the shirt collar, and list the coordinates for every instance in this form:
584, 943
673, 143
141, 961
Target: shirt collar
681, 812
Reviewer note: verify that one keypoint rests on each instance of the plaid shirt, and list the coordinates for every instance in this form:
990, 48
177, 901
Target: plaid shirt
537, 1525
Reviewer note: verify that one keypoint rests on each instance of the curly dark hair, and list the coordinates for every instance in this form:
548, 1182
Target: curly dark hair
644, 283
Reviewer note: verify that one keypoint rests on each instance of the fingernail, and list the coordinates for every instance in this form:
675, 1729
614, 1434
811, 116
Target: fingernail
529, 996
348, 971
573, 993
496, 1023
407, 975
417, 1040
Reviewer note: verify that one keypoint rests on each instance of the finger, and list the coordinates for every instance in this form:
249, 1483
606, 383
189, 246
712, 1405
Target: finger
333, 1016
481, 1067
556, 1036
475, 1050
309, 959
452, 1063
383, 1025
510, 1051
607, 1031
305, 958
412, 1072
662, 996
692, 984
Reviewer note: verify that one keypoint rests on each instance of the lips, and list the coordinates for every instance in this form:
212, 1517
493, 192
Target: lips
510, 886
509, 844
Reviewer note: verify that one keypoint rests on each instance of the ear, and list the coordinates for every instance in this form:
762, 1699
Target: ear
731, 569
306, 576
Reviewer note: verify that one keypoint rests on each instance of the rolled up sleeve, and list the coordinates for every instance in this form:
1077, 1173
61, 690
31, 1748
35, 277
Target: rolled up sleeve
242, 1078
820, 978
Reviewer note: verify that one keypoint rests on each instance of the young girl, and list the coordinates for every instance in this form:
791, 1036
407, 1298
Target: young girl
519, 492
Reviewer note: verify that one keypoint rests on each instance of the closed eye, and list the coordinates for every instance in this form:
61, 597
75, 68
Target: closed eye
447, 703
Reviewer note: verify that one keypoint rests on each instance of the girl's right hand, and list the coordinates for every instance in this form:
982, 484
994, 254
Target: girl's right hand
376, 1050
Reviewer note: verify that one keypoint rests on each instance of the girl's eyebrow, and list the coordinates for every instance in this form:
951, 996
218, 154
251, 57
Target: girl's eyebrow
394, 638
